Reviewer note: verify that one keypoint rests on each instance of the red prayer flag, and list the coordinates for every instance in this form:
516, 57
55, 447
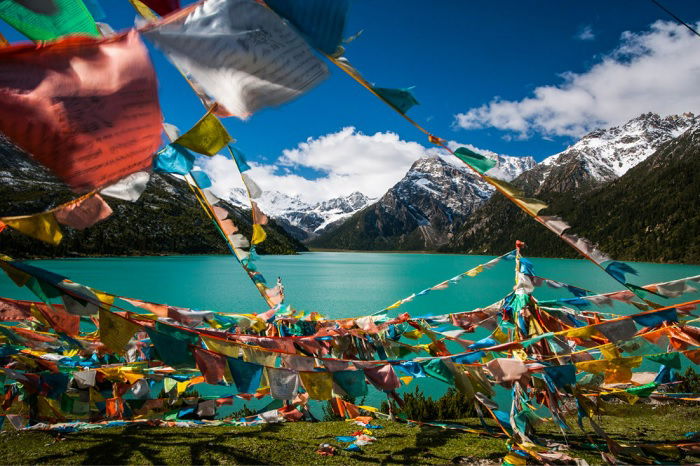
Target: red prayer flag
85, 108
211, 365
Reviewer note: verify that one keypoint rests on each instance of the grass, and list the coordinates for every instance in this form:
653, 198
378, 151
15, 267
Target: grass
296, 443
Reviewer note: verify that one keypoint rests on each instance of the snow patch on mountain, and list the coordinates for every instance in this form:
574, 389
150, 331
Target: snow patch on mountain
302, 219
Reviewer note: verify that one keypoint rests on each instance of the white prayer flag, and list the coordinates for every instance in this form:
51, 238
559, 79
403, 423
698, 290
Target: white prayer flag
241, 53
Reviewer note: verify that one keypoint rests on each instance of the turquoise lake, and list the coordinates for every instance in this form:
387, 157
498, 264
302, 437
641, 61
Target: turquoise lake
341, 284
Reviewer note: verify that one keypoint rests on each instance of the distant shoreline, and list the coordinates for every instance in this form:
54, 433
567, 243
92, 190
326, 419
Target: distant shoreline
313, 250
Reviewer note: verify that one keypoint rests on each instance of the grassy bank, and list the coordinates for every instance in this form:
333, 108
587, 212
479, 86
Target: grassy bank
295, 443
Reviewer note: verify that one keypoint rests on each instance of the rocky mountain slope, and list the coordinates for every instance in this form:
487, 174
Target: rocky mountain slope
301, 220
649, 213
165, 220
420, 212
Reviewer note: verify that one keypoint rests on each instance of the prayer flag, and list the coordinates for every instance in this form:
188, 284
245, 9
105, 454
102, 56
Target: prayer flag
246, 375
258, 216
478, 162
89, 107
174, 159
401, 99
115, 331
438, 370
201, 179
83, 213
40, 226
319, 385
383, 377
284, 383
239, 158
240, 53
320, 21
351, 382
128, 188
655, 318
211, 365
208, 136
672, 360
48, 19
13, 310
259, 234
171, 350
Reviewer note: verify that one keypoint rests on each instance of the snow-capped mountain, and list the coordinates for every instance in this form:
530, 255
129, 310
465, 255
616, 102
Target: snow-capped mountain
422, 210
606, 154
302, 220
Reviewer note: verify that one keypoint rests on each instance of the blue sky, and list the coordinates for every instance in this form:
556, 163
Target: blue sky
475, 66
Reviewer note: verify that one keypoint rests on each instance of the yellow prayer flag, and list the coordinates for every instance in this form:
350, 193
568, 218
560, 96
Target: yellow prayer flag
475, 271
406, 379
581, 332
505, 187
371, 409
533, 206
221, 347
105, 298
499, 335
115, 331
43, 227
413, 334
208, 136
394, 306
259, 234
182, 387
319, 385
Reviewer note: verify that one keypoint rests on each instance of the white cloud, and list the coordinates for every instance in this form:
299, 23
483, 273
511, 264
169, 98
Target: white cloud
657, 70
348, 161
585, 33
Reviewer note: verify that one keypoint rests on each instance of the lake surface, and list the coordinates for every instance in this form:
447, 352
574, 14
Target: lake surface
337, 285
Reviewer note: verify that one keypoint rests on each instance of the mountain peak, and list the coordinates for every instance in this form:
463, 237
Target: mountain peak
606, 154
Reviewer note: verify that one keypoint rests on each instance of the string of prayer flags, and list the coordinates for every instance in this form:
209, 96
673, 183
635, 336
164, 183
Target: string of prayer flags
240, 53
48, 19
208, 136
478, 162
321, 22
174, 158
401, 99
92, 104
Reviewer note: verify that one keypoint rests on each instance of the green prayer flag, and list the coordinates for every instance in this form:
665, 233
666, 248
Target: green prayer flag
478, 162
642, 390
672, 360
437, 369
49, 19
